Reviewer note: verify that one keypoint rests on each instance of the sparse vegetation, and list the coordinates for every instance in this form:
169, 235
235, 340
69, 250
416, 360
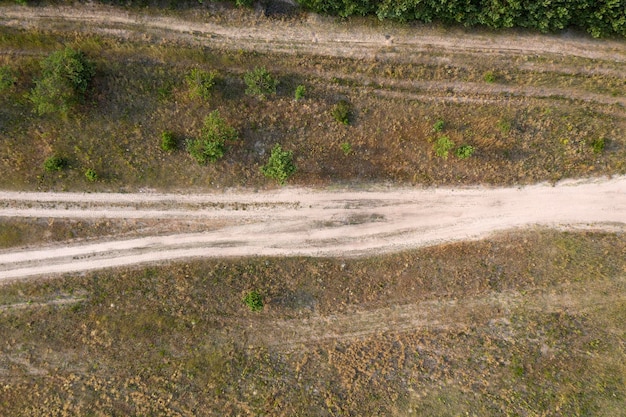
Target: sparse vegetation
200, 83
211, 144
280, 165
65, 77
442, 147
559, 336
341, 112
260, 83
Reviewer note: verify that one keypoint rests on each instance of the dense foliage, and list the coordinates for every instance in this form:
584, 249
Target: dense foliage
598, 17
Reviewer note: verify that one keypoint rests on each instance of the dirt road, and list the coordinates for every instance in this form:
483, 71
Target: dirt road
290, 221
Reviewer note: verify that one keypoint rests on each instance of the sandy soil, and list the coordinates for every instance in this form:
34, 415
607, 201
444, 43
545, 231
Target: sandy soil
292, 221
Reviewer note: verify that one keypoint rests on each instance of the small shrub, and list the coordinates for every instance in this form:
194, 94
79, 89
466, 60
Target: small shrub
260, 83
464, 151
489, 77
210, 146
7, 79
201, 83
341, 112
244, 3
168, 142
443, 145
346, 148
280, 165
300, 92
598, 145
54, 163
254, 301
66, 75
438, 126
91, 175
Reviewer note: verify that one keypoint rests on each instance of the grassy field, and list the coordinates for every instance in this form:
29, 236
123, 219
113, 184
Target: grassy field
528, 118
530, 323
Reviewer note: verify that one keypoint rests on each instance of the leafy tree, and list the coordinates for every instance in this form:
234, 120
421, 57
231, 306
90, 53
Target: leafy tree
260, 83
215, 133
54, 163
201, 83
65, 77
7, 79
341, 112
280, 165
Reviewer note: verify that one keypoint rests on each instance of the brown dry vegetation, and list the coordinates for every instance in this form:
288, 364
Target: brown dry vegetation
530, 323
536, 122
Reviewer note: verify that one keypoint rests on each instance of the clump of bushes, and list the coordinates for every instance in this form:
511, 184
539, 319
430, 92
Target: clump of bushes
341, 112
65, 78
210, 146
260, 83
55, 163
200, 83
280, 165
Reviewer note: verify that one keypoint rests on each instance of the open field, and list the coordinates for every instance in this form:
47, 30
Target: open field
529, 323
452, 242
533, 107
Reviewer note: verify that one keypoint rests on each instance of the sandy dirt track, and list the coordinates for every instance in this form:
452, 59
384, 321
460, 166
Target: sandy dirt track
292, 221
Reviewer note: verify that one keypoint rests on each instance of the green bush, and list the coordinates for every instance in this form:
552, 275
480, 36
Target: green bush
346, 148
260, 83
300, 92
210, 146
91, 175
65, 77
254, 301
341, 112
443, 145
168, 142
438, 126
504, 126
464, 151
598, 145
201, 83
7, 79
280, 165
489, 77
54, 163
